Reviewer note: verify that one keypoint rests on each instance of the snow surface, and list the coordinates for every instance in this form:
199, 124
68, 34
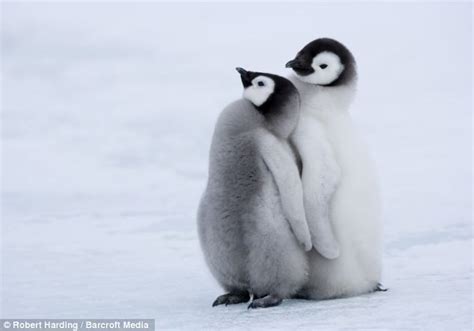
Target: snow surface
107, 116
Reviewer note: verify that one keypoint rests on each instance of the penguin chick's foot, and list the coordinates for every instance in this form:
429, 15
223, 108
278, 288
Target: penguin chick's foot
231, 298
380, 288
300, 296
266, 301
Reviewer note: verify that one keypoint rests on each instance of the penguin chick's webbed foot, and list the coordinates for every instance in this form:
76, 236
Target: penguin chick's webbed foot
266, 301
380, 288
231, 299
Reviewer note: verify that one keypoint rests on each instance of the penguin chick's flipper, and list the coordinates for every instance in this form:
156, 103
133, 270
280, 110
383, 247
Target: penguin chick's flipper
320, 177
287, 178
231, 298
266, 301
380, 288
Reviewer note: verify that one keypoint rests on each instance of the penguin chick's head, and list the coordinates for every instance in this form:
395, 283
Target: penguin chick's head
275, 97
267, 92
324, 62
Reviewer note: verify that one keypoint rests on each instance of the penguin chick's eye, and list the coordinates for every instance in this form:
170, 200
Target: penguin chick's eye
323, 66
260, 83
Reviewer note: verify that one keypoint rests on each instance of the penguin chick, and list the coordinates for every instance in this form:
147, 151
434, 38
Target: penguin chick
326, 76
251, 220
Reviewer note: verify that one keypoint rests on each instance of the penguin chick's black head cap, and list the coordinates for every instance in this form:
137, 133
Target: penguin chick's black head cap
277, 90
302, 63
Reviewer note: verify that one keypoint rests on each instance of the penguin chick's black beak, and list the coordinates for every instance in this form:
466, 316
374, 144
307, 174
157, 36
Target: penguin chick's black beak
299, 67
245, 76
292, 64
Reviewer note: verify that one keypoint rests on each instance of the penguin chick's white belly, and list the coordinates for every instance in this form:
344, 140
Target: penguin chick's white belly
247, 242
354, 209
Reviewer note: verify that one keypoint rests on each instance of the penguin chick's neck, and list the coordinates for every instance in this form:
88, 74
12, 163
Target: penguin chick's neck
321, 101
281, 118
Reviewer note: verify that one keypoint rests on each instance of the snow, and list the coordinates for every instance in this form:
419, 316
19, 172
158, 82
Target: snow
107, 116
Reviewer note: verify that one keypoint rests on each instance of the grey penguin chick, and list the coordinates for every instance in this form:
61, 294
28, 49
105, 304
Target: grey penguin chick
251, 219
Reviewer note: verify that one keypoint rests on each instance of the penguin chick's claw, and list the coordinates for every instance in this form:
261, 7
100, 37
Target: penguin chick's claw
231, 299
380, 288
265, 302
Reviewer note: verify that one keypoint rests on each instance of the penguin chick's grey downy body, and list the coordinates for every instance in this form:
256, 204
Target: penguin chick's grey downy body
349, 233
251, 218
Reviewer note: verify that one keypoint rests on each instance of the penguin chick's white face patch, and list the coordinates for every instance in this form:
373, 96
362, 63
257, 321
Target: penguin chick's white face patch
260, 90
327, 68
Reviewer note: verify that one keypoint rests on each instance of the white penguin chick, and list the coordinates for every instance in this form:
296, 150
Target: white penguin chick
347, 259
251, 219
